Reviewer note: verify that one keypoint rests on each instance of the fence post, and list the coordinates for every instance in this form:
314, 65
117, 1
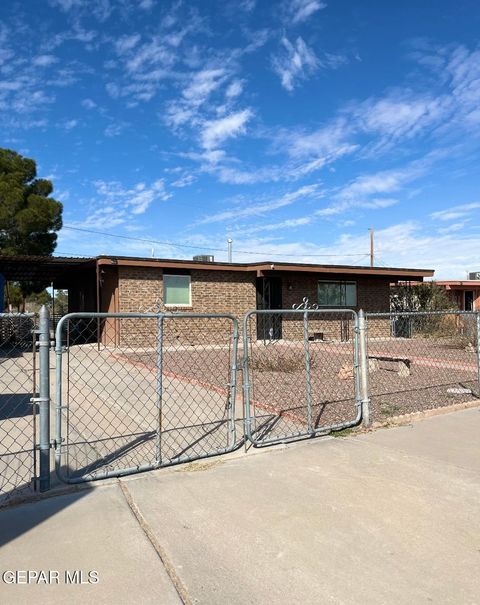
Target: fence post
44, 398
308, 371
363, 368
159, 389
478, 352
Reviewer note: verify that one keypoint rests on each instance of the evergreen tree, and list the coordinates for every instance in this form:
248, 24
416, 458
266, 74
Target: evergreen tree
29, 217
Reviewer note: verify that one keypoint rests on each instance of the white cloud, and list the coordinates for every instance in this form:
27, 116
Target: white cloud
115, 129
234, 89
44, 60
301, 10
89, 104
304, 192
70, 124
455, 212
202, 84
135, 200
184, 181
295, 62
291, 223
215, 132
126, 43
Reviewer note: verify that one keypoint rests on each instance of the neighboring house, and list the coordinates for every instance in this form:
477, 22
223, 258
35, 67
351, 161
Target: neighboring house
465, 294
124, 284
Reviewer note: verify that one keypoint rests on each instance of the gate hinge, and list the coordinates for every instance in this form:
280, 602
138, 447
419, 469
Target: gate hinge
39, 399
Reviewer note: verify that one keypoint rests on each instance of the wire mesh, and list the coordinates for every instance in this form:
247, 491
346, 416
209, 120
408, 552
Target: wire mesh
17, 413
145, 391
419, 361
300, 373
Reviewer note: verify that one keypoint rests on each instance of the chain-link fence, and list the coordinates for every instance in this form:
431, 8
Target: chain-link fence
17, 412
300, 373
141, 391
418, 361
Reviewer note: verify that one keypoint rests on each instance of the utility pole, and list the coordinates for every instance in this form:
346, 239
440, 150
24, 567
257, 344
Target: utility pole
229, 242
372, 248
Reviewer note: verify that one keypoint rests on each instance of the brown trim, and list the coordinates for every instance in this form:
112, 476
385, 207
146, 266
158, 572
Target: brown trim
260, 268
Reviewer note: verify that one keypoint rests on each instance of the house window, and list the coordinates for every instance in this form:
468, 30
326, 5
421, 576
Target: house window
177, 290
337, 294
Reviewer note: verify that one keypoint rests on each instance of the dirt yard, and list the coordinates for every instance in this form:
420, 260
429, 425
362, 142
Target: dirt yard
439, 375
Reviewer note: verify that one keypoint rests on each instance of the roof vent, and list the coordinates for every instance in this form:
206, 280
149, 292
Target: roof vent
474, 275
204, 258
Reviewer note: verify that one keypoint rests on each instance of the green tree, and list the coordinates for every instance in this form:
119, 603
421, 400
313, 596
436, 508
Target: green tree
427, 296
61, 302
29, 217
14, 298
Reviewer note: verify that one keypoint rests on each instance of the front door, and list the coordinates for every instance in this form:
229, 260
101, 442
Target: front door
469, 296
269, 297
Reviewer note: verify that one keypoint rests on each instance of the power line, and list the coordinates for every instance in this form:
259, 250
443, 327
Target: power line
153, 241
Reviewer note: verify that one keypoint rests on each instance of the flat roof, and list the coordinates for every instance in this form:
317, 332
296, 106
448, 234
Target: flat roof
465, 283
52, 268
263, 266
40, 268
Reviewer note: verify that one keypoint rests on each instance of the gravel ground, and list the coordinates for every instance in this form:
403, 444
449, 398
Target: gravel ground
279, 383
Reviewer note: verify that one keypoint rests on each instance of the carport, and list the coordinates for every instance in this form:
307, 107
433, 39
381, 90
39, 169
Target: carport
76, 275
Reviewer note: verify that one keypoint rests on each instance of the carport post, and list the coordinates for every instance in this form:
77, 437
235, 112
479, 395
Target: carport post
44, 398
363, 367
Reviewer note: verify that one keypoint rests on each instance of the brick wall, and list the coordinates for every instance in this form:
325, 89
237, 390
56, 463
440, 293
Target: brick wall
141, 288
373, 295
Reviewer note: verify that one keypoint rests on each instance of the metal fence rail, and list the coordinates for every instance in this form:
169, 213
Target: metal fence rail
138, 391
304, 380
421, 360
142, 391
17, 412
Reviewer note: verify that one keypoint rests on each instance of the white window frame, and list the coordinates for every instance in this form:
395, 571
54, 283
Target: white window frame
165, 279
341, 282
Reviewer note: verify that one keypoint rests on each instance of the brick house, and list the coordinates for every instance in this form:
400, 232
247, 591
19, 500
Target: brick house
464, 294
123, 284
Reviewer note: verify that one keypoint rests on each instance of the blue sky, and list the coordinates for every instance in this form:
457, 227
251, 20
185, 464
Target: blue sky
291, 127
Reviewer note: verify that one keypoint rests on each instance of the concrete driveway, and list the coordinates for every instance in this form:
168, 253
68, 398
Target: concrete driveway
391, 516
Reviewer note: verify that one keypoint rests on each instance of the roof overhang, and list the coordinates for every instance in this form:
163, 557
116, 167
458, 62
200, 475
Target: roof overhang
468, 284
268, 267
62, 271
48, 269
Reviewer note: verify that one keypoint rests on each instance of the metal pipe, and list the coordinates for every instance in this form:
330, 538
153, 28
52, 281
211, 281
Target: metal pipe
44, 398
308, 372
58, 398
233, 385
363, 367
159, 388
230, 254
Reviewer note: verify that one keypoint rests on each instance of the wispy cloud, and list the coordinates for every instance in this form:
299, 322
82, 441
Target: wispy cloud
295, 62
307, 191
456, 212
136, 199
301, 10
216, 132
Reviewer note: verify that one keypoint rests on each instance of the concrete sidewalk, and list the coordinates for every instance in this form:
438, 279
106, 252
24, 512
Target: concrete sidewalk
391, 516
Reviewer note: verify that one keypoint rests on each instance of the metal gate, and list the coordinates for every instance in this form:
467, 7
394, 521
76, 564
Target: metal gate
142, 391
306, 383
18, 413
